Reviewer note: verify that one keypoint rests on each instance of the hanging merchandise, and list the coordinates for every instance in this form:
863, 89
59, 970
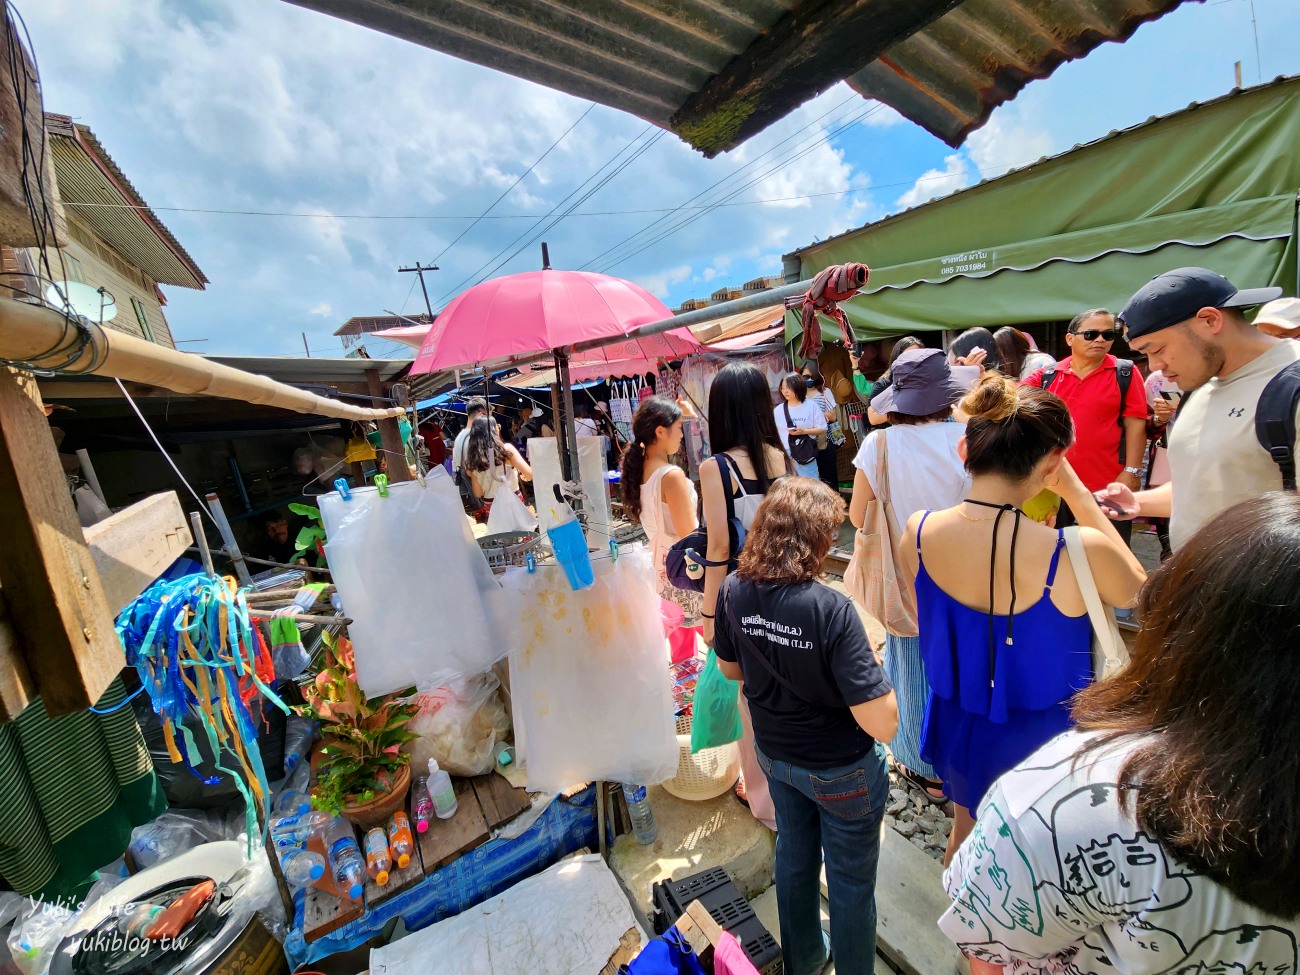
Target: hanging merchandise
570, 650
509, 514
668, 384
414, 582
545, 458
192, 644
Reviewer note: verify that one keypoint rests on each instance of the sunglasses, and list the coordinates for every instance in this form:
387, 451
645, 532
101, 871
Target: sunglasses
1092, 334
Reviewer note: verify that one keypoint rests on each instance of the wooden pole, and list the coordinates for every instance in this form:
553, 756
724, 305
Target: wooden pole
62, 624
30, 331
201, 540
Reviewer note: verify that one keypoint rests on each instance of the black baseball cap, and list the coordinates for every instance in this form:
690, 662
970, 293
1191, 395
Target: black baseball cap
1177, 295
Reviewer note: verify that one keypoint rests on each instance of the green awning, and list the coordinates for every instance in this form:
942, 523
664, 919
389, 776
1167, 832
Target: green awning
1213, 185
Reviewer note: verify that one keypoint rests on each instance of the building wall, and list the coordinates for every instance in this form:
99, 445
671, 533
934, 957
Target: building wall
94, 263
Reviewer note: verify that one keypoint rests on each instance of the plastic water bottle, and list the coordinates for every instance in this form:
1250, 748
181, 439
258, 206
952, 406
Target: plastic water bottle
401, 844
644, 827
292, 802
346, 864
301, 867
299, 733
423, 807
441, 790
377, 860
295, 830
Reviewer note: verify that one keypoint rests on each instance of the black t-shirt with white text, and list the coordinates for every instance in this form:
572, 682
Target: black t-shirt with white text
813, 637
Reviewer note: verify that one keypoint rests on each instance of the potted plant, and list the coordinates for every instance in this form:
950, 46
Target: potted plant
362, 773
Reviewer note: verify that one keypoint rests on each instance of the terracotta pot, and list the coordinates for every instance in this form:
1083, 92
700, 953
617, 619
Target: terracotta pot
377, 811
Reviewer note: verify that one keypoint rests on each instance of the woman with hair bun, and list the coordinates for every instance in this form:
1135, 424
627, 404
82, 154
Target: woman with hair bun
1006, 649
657, 494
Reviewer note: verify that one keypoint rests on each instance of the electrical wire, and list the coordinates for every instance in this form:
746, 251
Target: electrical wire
158, 443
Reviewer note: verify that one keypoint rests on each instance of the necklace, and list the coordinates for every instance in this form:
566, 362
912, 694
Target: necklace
974, 520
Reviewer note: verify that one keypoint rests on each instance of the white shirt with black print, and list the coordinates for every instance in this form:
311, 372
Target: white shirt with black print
1058, 878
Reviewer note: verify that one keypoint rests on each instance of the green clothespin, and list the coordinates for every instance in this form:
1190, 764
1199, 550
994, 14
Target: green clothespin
381, 482
613, 550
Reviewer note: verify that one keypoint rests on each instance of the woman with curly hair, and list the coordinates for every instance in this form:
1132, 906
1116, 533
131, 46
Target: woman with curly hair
821, 707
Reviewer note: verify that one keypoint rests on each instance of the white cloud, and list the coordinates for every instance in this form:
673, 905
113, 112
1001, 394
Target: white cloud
660, 283
935, 183
1014, 136
322, 308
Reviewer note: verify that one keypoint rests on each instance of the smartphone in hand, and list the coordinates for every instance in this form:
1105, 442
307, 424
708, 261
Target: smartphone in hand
1174, 396
1109, 504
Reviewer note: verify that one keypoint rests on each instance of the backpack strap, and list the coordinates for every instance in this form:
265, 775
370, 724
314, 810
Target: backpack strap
1047, 378
1124, 376
1275, 421
724, 471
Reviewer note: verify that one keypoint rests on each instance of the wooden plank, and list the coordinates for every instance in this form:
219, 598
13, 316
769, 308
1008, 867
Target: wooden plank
448, 839
500, 800
326, 908
135, 546
812, 47
390, 435
15, 218
16, 685
61, 618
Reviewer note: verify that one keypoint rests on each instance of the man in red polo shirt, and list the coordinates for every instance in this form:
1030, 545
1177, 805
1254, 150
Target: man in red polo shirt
1107, 400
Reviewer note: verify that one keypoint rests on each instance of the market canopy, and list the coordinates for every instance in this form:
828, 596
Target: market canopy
1213, 185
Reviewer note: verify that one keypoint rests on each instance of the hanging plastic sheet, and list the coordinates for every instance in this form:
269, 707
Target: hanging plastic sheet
544, 457
589, 678
415, 583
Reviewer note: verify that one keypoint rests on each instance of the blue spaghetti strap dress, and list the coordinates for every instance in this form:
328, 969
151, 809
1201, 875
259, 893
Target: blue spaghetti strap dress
993, 699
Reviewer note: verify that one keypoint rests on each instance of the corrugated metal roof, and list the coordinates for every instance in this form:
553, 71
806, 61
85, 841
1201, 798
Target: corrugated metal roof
1046, 160
361, 325
944, 64
302, 370
86, 174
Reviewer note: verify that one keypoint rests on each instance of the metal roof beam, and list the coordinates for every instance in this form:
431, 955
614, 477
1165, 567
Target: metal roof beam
808, 50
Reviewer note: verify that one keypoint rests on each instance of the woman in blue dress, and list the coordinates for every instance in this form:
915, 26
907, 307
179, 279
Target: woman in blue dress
1005, 647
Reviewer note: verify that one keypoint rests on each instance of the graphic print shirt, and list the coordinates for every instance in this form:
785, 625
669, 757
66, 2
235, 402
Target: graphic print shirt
1058, 878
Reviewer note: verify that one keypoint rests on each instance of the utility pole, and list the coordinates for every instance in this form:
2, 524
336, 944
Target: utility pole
420, 269
304, 345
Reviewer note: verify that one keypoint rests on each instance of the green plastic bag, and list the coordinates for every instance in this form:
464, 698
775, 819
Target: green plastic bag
716, 713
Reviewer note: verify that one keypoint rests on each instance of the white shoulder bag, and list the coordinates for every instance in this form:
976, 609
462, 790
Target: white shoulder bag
1109, 654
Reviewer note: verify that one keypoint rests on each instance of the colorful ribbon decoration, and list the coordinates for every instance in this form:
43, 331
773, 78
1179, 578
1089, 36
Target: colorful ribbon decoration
191, 642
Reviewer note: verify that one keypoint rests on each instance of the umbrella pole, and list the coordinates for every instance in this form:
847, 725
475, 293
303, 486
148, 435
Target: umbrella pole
566, 430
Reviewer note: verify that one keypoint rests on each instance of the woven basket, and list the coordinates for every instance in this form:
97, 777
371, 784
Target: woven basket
705, 775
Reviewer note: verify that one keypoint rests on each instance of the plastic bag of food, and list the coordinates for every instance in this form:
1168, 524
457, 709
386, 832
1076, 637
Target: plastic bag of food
459, 725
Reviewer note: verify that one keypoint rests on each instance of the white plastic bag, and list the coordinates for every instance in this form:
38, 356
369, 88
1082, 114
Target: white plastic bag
415, 583
589, 675
459, 725
509, 514
36, 934
178, 830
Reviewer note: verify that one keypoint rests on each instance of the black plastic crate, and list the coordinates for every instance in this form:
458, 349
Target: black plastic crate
727, 906
760, 946
680, 893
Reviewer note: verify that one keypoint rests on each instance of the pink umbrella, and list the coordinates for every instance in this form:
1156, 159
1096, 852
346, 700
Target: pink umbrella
516, 317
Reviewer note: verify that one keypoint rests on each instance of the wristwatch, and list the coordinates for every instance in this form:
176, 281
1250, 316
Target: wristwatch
1135, 471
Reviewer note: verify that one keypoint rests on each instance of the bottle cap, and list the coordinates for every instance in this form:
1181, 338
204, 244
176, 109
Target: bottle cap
381, 877
403, 861
355, 891
433, 766
317, 871
422, 826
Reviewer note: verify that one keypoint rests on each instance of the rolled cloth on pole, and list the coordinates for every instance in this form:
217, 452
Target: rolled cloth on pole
837, 283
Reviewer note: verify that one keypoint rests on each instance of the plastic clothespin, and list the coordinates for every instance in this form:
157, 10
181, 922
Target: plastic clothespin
341, 486
381, 482
530, 560
613, 550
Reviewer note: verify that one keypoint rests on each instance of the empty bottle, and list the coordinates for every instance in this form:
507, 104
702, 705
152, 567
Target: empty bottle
299, 733
401, 844
644, 827
441, 791
295, 830
423, 805
345, 861
292, 802
301, 867
377, 860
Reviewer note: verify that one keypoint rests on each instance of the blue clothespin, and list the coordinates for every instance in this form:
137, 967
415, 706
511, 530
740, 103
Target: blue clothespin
530, 560
341, 486
381, 482
613, 550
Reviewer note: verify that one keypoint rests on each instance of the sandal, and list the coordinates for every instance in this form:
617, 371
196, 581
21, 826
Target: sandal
931, 788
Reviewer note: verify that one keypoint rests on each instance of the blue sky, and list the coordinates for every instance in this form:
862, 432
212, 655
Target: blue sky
261, 105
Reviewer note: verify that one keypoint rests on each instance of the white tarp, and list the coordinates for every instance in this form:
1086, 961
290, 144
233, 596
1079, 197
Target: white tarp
415, 583
568, 919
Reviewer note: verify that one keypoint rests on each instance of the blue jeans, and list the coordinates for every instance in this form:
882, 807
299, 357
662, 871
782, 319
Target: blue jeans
835, 813
806, 470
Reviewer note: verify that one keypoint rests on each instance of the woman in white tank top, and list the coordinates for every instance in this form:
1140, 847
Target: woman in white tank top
658, 494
